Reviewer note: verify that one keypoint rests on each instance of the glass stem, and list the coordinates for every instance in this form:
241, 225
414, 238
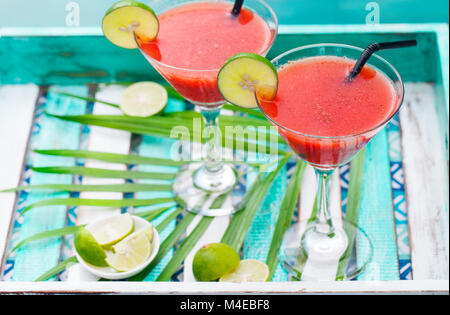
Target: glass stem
213, 159
324, 223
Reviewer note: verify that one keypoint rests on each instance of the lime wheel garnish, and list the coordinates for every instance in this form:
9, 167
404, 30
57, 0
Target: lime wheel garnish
144, 99
126, 18
246, 77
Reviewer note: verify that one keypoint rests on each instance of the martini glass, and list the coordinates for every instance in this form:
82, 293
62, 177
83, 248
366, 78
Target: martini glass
198, 184
323, 243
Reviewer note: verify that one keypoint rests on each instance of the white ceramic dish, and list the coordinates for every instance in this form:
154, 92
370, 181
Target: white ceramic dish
110, 273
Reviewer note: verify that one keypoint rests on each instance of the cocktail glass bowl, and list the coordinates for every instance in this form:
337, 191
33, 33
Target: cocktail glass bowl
198, 184
322, 244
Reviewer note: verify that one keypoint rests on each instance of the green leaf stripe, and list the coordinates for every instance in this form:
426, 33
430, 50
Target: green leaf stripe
97, 203
103, 173
124, 188
112, 157
242, 220
287, 210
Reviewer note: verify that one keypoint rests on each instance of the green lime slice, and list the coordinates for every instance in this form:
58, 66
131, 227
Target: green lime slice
249, 270
213, 261
89, 249
144, 99
114, 230
244, 75
131, 252
124, 18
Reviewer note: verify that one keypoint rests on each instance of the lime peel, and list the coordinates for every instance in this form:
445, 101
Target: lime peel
89, 249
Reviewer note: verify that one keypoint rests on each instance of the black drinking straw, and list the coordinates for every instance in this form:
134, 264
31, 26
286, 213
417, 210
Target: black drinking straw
367, 53
237, 7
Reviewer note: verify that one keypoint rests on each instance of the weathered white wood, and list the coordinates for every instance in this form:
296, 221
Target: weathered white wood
17, 103
77, 273
213, 234
103, 140
426, 183
301, 287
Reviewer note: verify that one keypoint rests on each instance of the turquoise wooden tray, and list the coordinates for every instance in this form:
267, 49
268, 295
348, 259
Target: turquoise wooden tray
405, 198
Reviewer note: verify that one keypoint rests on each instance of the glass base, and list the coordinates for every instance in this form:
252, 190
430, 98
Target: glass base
315, 256
196, 189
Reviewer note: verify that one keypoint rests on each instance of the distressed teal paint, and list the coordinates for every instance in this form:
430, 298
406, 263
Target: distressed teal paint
34, 259
68, 56
376, 214
258, 239
159, 147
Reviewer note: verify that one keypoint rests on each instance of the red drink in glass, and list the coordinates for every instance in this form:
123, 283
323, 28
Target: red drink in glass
316, 103
201, 37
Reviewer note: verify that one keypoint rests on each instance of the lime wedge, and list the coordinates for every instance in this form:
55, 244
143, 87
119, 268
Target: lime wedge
244, 75
114, 230
149, 232
89, 249
249, 270
131, 252
124, 18
144, 99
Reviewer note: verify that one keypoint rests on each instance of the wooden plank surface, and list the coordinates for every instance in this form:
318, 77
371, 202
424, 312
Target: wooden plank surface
418, 115
33, 260
103, 140
376, 214
258, 239
399, 199
17, 105
426, 180
302, 287
161, 148
213, 234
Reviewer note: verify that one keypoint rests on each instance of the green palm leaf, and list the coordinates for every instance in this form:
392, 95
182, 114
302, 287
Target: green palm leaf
129, 159
353, 204
97, 203
48, 234
124, 188
57, 269
285, 216
190, 241
161, 226
112, 157
103, 173
152, 214
173, 94
242, 220
165, 129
